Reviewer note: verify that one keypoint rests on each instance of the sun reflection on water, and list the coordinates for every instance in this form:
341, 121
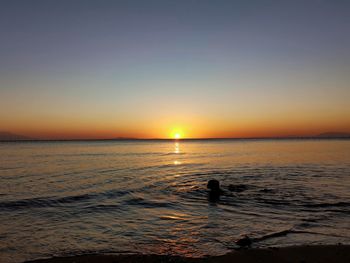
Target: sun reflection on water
177, 151
177, 147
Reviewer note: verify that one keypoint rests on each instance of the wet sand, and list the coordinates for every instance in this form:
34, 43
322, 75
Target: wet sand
297, 254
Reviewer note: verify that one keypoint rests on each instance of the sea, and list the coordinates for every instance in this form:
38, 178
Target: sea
63, 198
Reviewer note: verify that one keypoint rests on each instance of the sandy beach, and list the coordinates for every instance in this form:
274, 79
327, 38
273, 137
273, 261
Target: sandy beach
297, 254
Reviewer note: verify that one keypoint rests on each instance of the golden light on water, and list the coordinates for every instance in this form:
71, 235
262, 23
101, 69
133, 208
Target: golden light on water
177, 148
177, 151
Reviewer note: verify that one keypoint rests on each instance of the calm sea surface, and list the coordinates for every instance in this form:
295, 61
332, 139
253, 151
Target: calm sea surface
68, 198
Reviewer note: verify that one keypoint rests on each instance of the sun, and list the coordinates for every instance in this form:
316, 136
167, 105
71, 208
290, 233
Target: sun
176, 134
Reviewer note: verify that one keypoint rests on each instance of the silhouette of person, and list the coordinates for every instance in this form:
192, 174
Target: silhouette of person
215, 190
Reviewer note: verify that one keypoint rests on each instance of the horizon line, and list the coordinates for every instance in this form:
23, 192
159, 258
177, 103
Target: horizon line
181, 139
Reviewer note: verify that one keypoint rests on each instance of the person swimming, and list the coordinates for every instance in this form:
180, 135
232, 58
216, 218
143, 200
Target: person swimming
215, 190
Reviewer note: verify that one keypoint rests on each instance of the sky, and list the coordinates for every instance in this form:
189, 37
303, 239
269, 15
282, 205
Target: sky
154, 69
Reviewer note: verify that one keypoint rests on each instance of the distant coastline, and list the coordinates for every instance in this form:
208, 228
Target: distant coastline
10, 137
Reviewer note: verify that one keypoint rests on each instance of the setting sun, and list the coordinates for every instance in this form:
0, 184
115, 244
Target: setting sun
176, 133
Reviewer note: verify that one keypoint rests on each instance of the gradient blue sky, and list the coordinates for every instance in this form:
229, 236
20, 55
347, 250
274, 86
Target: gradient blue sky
74, 69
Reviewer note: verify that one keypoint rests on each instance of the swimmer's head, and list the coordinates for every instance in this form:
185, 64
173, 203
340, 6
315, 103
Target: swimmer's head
214, 185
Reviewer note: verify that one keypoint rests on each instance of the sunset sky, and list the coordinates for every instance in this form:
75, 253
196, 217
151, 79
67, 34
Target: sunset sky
153, 69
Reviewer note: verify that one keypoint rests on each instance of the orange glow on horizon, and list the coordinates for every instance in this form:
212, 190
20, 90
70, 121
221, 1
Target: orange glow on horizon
189, 127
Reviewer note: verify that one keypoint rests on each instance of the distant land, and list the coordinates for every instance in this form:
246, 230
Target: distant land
9, 136
334, 135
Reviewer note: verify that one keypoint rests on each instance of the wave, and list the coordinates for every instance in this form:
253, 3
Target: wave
327, 205
137, 201
57, 201
247, 241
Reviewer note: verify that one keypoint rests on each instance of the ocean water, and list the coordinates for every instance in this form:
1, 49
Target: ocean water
69, 198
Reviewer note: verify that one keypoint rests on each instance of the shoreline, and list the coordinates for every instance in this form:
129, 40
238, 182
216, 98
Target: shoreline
298, 254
